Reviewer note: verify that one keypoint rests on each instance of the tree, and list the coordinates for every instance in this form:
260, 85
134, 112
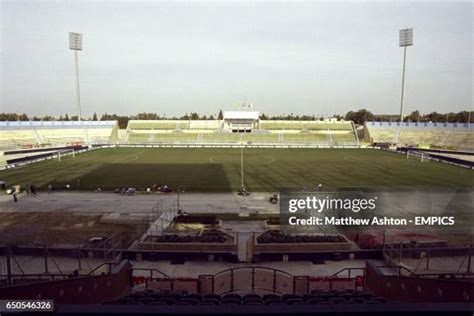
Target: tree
66, 117
147, 116
436, 117
220, 116
463, 116
23, 117
414, 116
122, 121
360, 116
94, 117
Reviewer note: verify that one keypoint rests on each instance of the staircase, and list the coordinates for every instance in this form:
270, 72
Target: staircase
87, 139
37, 136
396, 137
243, 251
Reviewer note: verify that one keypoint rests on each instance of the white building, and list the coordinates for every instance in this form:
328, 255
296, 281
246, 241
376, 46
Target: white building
241, 121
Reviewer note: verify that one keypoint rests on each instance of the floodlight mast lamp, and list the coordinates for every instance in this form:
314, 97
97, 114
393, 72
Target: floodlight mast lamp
75, 44
406, 39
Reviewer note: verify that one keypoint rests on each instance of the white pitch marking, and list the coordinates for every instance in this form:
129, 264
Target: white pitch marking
270, 161
349, 157
128, 158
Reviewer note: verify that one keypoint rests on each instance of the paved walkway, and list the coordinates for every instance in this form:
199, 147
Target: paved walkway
83, 202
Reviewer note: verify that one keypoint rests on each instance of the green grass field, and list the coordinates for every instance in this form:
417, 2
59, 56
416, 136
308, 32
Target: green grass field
218, 169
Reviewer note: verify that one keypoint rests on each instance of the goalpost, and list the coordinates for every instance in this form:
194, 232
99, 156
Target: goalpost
416, 154
66, 152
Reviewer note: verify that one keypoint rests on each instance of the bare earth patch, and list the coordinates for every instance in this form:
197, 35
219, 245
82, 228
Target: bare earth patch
53, 228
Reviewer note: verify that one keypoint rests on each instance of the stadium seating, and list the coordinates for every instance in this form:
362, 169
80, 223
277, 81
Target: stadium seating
135, 137
16, 138
221, 138
261, 138
428, 137
157, 125
118, 290
62, 136
99, 135
171, 137
317, 297
56, 133
305, 125
204, 124
383, 136
269, 132
306, 137
447, 135
207, 236
463, 140
344, 138
274, 236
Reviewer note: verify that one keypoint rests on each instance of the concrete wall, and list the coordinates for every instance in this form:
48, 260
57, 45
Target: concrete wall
79, 290
417, 289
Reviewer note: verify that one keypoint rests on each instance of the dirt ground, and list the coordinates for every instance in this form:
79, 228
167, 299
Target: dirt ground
54, 228
67, 216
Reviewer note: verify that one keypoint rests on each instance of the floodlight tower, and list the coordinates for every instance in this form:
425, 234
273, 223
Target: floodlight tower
75, 44
406, 39
242, 185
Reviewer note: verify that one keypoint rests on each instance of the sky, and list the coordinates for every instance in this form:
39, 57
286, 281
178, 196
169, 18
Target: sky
173, 58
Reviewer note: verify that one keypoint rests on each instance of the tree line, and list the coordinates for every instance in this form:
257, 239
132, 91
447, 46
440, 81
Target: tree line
359, 117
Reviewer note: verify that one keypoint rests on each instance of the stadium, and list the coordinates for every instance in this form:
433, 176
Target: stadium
99, 200
215, 164
237, 213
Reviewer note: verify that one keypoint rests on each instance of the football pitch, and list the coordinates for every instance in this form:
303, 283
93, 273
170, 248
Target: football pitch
219, 170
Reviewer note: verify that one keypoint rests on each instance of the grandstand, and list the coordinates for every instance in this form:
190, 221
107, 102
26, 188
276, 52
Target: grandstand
235, 130
241, 121
116, 287
327, 125
431, 135
19, 134
158, 125
238, 127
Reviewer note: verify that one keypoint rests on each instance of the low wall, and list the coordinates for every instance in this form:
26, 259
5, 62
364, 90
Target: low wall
417, 289
300, 247
250, 279
184, 284
230, 145
79, 290
188, 247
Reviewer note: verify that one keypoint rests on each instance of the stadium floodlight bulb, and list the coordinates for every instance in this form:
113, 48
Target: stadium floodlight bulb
406, 37
75, 41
